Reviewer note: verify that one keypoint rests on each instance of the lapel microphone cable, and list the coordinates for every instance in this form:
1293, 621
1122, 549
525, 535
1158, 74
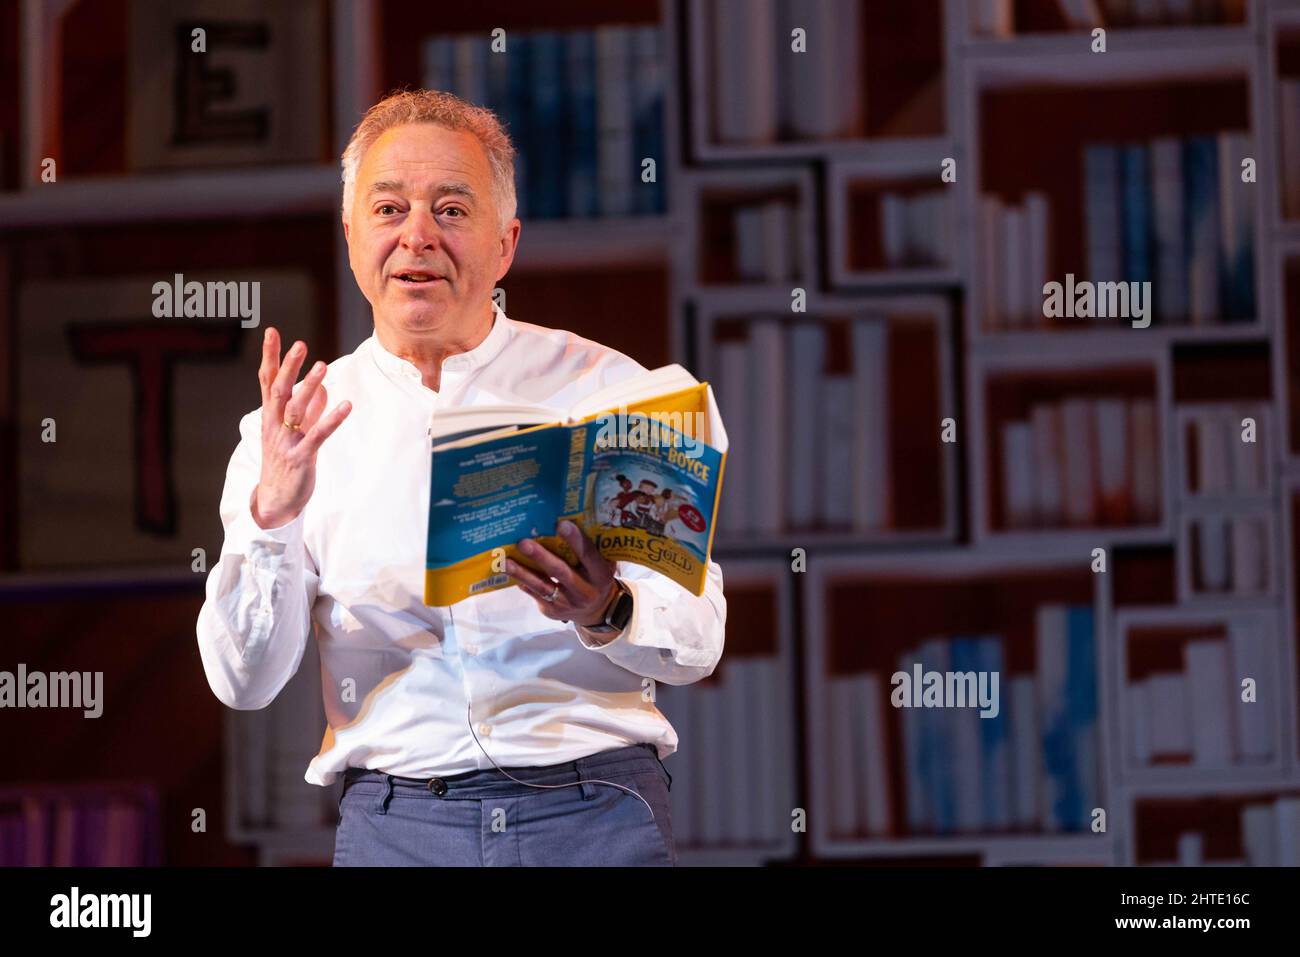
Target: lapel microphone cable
572, 784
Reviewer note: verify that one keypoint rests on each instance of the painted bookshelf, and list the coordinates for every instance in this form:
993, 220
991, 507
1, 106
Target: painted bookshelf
1023, 101
929, 82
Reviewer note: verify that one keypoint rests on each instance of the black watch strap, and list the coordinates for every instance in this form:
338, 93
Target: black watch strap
617, 614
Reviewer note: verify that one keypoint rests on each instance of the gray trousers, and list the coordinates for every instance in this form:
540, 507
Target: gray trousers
482, 818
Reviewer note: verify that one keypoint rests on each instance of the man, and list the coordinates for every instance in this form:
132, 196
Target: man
514, 727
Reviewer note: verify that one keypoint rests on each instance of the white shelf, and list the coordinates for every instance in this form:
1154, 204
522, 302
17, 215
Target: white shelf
1093, 848
1238, 790
1052, 47
885, 151
1189, 779
177, 574
874, 540
1106, 337
1069, 61
200, 194
593, 243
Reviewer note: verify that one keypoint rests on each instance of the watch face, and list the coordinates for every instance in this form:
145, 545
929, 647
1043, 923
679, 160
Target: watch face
621, 613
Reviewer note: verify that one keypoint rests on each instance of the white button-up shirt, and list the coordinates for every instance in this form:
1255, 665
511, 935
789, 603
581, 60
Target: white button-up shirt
352, 563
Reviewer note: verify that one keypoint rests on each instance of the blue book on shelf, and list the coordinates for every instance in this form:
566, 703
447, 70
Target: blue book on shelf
439, 66
995, 741
1060, 770
965, 733
1082, 709
500, 68
1201, 180
648, 117
508, 78
580, 95
1237, 210
936, 746
1102, 204
1137, 208
547, 177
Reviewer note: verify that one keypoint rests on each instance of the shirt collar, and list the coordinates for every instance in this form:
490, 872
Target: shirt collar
461, 362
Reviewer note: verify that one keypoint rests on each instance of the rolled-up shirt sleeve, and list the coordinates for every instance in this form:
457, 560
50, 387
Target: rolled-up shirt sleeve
673, 636
256, 616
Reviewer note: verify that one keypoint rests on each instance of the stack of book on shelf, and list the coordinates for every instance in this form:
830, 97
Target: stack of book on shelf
78, 827
918, 229
732, 770
273, 748
583, 108
808, 449
1082, 462
1219, 459
1030, 765
767, 241
763, 90
1230, 554
1015, 240
1270, 833
1174, 213
1196, 716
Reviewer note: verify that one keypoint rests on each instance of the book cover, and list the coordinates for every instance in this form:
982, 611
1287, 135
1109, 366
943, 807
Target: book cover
642, 480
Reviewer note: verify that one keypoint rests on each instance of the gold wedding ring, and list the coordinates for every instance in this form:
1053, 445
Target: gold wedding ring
289, 425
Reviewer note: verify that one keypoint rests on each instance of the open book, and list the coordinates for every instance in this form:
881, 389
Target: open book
637, 466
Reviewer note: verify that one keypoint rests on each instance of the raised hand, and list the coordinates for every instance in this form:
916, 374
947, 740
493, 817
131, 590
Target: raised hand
293, 429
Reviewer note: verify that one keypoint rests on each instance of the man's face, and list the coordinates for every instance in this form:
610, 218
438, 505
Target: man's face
424, 239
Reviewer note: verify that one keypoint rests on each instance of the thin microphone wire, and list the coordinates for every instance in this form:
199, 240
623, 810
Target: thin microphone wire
469, 721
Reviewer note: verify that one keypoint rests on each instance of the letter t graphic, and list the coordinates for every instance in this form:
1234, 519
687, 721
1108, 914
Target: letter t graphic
150, 350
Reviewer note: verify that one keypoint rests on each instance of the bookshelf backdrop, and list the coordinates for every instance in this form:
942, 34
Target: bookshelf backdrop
777, 172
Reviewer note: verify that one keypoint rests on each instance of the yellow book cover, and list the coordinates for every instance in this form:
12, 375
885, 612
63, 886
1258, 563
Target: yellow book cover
641, 475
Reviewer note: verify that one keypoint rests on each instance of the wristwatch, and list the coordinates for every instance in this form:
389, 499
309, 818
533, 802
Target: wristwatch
617, 613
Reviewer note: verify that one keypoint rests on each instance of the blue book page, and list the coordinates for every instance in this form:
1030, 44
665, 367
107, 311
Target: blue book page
492, 494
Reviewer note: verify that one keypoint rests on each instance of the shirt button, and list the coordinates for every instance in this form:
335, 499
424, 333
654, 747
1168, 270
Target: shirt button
438, 786
485, 729
471, 649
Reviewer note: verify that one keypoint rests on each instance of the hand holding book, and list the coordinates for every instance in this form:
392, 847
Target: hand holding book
563, 592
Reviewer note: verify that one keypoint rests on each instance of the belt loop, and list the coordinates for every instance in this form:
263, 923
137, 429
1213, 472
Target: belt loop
381, 802
588, 790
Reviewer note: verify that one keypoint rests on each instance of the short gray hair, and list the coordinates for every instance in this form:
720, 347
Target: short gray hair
442, 109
